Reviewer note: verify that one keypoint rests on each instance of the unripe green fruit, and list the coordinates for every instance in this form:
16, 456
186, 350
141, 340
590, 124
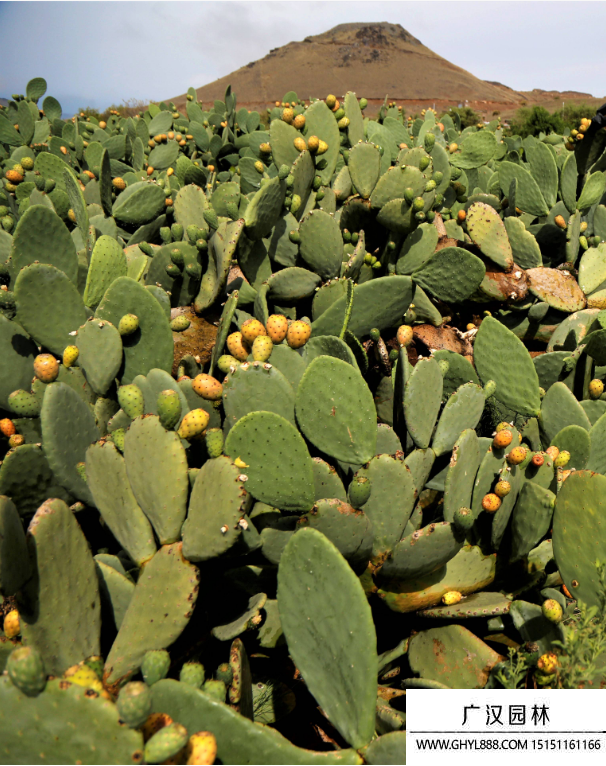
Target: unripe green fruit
118, 437
177, 257
166, 743
294, 237
27, 163
232, 210
375, 334
3, 211
463, 519
320, 195
224, 673
363, 103
418, 204
583, 242
8, 223
131, 400
438, 176
177, 231
146, 248
134, 704
180, 323
192, 674
552, 611
295, 204
430, 186
424, 161
155, 666
359, 491
214, 442
211, 218
50, 185
128, 324
420, 216
283, 172
26, 670
339, 113
192, 233
216, 689
24, 404
317, 182
490, 388
201, 244
194, 270
354, 238
429, 142
165, 235
169, 408
226, 361
444, 366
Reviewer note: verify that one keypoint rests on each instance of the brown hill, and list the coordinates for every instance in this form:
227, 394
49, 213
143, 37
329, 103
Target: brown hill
373, 60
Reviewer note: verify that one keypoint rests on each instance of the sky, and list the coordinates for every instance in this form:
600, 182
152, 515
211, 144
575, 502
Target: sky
99, 53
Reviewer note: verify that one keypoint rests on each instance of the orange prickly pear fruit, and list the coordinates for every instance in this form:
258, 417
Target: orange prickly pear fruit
537, 460
194, 424
491, 503
298, 334
251, 329
277, 327
237, 347
207, 387
404, 335
502, 439
517, 455
553, 452
502, 488
7, 427
46, 368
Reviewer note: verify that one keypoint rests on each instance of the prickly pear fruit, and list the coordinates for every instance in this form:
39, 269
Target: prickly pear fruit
283, 172
207, 387
553, 452
24, 404
463, 519
225, 673
201, 749
596, 388
251, 329
12, 626
359, 491
166, 743
259, 166
237, 347
194, 424
537, 459
295, 203
82, 675
404, 335
375, 334
118, 437
262, 348
215, 688
331, 101
154, 723
128, 324
180, 323
363, 103
177, 257
444, 365
288, 115
131, 400
214, 442
299, 144
298, 334
81, 468
70, 355
313, 144
211, 218
225, 361
548, 663
322, 147
502, 488
26, 670
134, 704
192, 674
490, 388
517, 455
46, 368
562, 459
502, 439
451, 598
552, 610
560, 221
491, 502
7, 427
16, 440
277, 327
169, 408
155, 666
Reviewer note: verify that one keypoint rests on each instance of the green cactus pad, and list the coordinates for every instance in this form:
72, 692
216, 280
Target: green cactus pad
321, 244
461, 474
559, 289
320, 122
422, 401
364, 167
217, 506
421, 553
116, 591
339, 661
391, 501
48, 306
113, 496
417, 249
292, 284
223, 329
452, 274
544, 170
17, 351
67, 725
279, 467
460, 371
531, 519
463, 410
264, 209
228, 631
389, 748
420, 462
282, 136
108, 262
559, 409
488, 232
15, 567
238, 739
169, 587
500, 519
151, 345
463, 661
592, 269
26, 477
576, 440
68, 429
326, 481
597, 435
592, 191
335, 410
59, 611
156, 466
190, 204
594, 409
476, 150
528, 195
100, 357
502, 357
221, 249
41, 236
524, 246
578, 541
138, 204
475, 605
257, 386
157, 381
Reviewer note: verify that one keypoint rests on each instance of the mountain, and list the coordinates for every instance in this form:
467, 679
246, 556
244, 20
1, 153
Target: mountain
373, 60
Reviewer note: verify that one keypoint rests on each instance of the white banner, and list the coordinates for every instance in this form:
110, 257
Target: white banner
514, 727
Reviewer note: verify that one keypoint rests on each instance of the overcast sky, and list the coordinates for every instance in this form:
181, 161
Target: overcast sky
97, 53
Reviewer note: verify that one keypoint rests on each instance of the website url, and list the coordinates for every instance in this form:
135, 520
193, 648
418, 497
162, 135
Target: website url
508, 744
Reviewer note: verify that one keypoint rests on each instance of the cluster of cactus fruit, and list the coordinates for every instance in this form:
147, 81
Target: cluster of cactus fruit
209, 554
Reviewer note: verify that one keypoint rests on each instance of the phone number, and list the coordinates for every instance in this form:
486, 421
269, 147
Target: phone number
566, 744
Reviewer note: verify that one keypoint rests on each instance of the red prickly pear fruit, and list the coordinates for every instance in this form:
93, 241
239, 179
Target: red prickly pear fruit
251, 329
491, 503
537, 459
502, 439
517, 455
46, 368
277, 327
298, 334
207, 387
237, 347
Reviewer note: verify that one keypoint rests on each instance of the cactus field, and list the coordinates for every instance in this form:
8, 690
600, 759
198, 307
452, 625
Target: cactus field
295, 415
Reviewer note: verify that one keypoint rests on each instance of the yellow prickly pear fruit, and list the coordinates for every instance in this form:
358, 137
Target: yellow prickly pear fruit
251, 329
71, 215
596, 388
502, 439
82, 675
299, 121
259, 166
226, 361
322, 147
16, 440
452, 597
452, 148
298, 334
299, 144
102, 125
548, 663
517, 455
404, 335
502, 488
14, 176
46, 368
560, 221
562, 459
277, 327
262, 348
194, 424
154, 723
201, 749
237, 347
12, 626
552, 610
70, 355
313, 143
288, 115
501, 426
128, 324
331, 101
207, 387
491, 502
119, 183
265, 148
